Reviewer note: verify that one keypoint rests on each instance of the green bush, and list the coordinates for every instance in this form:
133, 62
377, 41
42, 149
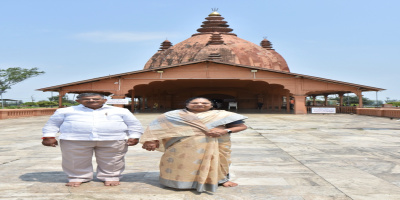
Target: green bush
12, 107
396, 103
70, 104
29, 104
47, 103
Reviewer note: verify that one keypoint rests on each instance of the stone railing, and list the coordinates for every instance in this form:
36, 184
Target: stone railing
380, 112
17, 113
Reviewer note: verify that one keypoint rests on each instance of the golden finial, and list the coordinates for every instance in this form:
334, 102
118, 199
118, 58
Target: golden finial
214, 13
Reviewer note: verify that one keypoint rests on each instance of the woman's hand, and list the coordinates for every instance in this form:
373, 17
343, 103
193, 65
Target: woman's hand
151, 145
216, 132
221, 130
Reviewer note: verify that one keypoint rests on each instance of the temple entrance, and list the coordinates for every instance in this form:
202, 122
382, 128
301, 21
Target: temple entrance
221, 101
247, 94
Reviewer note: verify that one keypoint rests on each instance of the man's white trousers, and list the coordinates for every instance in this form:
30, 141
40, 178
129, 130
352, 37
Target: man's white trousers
77, 159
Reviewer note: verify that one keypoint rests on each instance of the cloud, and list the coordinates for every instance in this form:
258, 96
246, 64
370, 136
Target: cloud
101, 36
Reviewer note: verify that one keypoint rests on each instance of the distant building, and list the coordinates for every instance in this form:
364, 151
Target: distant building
10, 102
217, 64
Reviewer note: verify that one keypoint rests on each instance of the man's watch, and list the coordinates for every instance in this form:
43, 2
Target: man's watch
229, 131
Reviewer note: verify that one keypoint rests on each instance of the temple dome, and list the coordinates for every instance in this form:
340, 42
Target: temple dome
215, 41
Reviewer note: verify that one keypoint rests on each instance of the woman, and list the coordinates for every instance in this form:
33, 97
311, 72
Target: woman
196, 145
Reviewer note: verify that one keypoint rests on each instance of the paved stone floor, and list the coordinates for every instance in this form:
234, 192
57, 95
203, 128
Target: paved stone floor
293, 157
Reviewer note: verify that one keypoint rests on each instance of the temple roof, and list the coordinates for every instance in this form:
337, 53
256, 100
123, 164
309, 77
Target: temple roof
215, 41
360, 87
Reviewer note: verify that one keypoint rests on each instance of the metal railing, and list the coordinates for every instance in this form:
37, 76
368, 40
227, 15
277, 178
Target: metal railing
339, 109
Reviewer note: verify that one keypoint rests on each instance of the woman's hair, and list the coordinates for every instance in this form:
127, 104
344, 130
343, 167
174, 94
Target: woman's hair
193, 98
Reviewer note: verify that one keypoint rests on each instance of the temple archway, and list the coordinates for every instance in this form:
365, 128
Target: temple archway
172, 94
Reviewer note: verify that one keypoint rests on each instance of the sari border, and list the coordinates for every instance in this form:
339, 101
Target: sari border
189, 185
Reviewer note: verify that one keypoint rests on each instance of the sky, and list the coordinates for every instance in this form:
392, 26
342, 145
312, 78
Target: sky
355, 41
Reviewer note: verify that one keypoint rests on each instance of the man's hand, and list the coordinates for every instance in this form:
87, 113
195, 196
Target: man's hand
151, 145
132, 141
51, 142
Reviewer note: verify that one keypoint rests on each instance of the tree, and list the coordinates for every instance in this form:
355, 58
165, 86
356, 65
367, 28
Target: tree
47, 103
353, 100
14, 75
396, 103
65, 100
29, 104
388, 100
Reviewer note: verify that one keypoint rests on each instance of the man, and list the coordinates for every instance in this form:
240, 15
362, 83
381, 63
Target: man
260, 102
92, 127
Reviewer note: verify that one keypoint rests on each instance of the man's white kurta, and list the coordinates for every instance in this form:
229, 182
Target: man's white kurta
82, 123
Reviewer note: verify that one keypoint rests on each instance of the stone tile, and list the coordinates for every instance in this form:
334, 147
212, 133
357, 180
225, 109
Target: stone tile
327, 197
307, 181
261, 181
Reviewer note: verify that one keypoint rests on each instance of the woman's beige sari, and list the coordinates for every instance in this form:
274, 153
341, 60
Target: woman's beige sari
191, 159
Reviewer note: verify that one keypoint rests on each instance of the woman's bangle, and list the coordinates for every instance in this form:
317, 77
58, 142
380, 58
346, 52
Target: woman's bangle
47, 137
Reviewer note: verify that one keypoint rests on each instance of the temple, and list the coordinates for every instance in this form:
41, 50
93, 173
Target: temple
215, 63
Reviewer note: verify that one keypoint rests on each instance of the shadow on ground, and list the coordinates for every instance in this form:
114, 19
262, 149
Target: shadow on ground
150, 178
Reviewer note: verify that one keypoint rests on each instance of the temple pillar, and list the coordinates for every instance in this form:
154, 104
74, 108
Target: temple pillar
280, 102
341, 99
61, 94
325, 99
266, 102
288, 103
143, 103
300, 104
150, 101
273, 102
270, 102
360, 100
314, 101
133, 101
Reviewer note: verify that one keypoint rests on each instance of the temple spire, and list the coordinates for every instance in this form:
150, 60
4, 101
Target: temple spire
266, 44
214, 23
165, 45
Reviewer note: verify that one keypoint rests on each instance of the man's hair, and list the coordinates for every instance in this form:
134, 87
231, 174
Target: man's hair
89, 94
